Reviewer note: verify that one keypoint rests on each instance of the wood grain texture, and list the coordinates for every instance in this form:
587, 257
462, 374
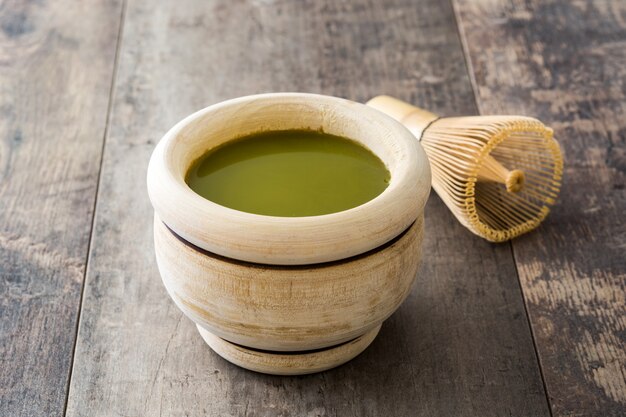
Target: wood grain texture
564, 62
459, 346
56, 66
295, 308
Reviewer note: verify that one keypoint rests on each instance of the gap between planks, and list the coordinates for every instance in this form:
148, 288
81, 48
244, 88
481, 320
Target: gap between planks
474, 87
118, 48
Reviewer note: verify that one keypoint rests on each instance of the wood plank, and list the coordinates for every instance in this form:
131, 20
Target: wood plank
459, 346
56, 67
564, 62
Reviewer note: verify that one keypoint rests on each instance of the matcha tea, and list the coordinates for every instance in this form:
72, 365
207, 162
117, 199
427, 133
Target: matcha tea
292, 173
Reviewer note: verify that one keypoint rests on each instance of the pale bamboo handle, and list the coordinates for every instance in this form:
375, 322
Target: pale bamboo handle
414, 118
418, 120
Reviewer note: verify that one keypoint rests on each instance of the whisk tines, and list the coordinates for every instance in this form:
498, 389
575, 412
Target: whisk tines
497, 174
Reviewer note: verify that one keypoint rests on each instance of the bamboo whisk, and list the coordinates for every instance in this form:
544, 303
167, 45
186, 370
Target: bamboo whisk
497, 174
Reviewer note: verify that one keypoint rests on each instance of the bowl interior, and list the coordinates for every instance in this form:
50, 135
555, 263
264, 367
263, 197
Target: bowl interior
212, 129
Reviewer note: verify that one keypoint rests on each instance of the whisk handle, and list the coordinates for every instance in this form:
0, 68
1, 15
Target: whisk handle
414, 118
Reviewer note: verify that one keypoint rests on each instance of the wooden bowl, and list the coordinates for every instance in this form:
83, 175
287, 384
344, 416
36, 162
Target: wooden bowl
288, 295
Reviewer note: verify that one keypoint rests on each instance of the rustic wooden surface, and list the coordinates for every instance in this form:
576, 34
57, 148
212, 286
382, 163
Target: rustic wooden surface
565, 62
56, 68
460, 345
463, 342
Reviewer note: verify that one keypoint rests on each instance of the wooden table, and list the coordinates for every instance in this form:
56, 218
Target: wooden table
535, 327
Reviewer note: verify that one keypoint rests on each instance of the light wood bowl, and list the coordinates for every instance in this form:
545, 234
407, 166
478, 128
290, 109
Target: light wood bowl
288, 240
288, 295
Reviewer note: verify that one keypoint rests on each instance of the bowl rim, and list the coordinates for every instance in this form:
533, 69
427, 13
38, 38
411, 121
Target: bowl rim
290, 240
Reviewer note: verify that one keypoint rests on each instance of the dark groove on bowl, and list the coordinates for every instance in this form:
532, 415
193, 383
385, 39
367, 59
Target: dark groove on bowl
294, 352
289, 267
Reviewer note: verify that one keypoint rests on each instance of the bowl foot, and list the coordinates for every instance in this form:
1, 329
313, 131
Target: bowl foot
289, 363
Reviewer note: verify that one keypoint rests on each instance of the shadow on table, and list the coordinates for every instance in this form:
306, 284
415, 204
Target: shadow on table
421, 363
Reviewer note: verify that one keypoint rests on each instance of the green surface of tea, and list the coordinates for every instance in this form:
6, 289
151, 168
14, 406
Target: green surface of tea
292, 173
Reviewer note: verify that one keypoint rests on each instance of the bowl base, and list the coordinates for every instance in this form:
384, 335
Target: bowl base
289, 363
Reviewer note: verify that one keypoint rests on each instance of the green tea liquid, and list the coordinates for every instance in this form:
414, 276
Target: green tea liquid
291, 173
